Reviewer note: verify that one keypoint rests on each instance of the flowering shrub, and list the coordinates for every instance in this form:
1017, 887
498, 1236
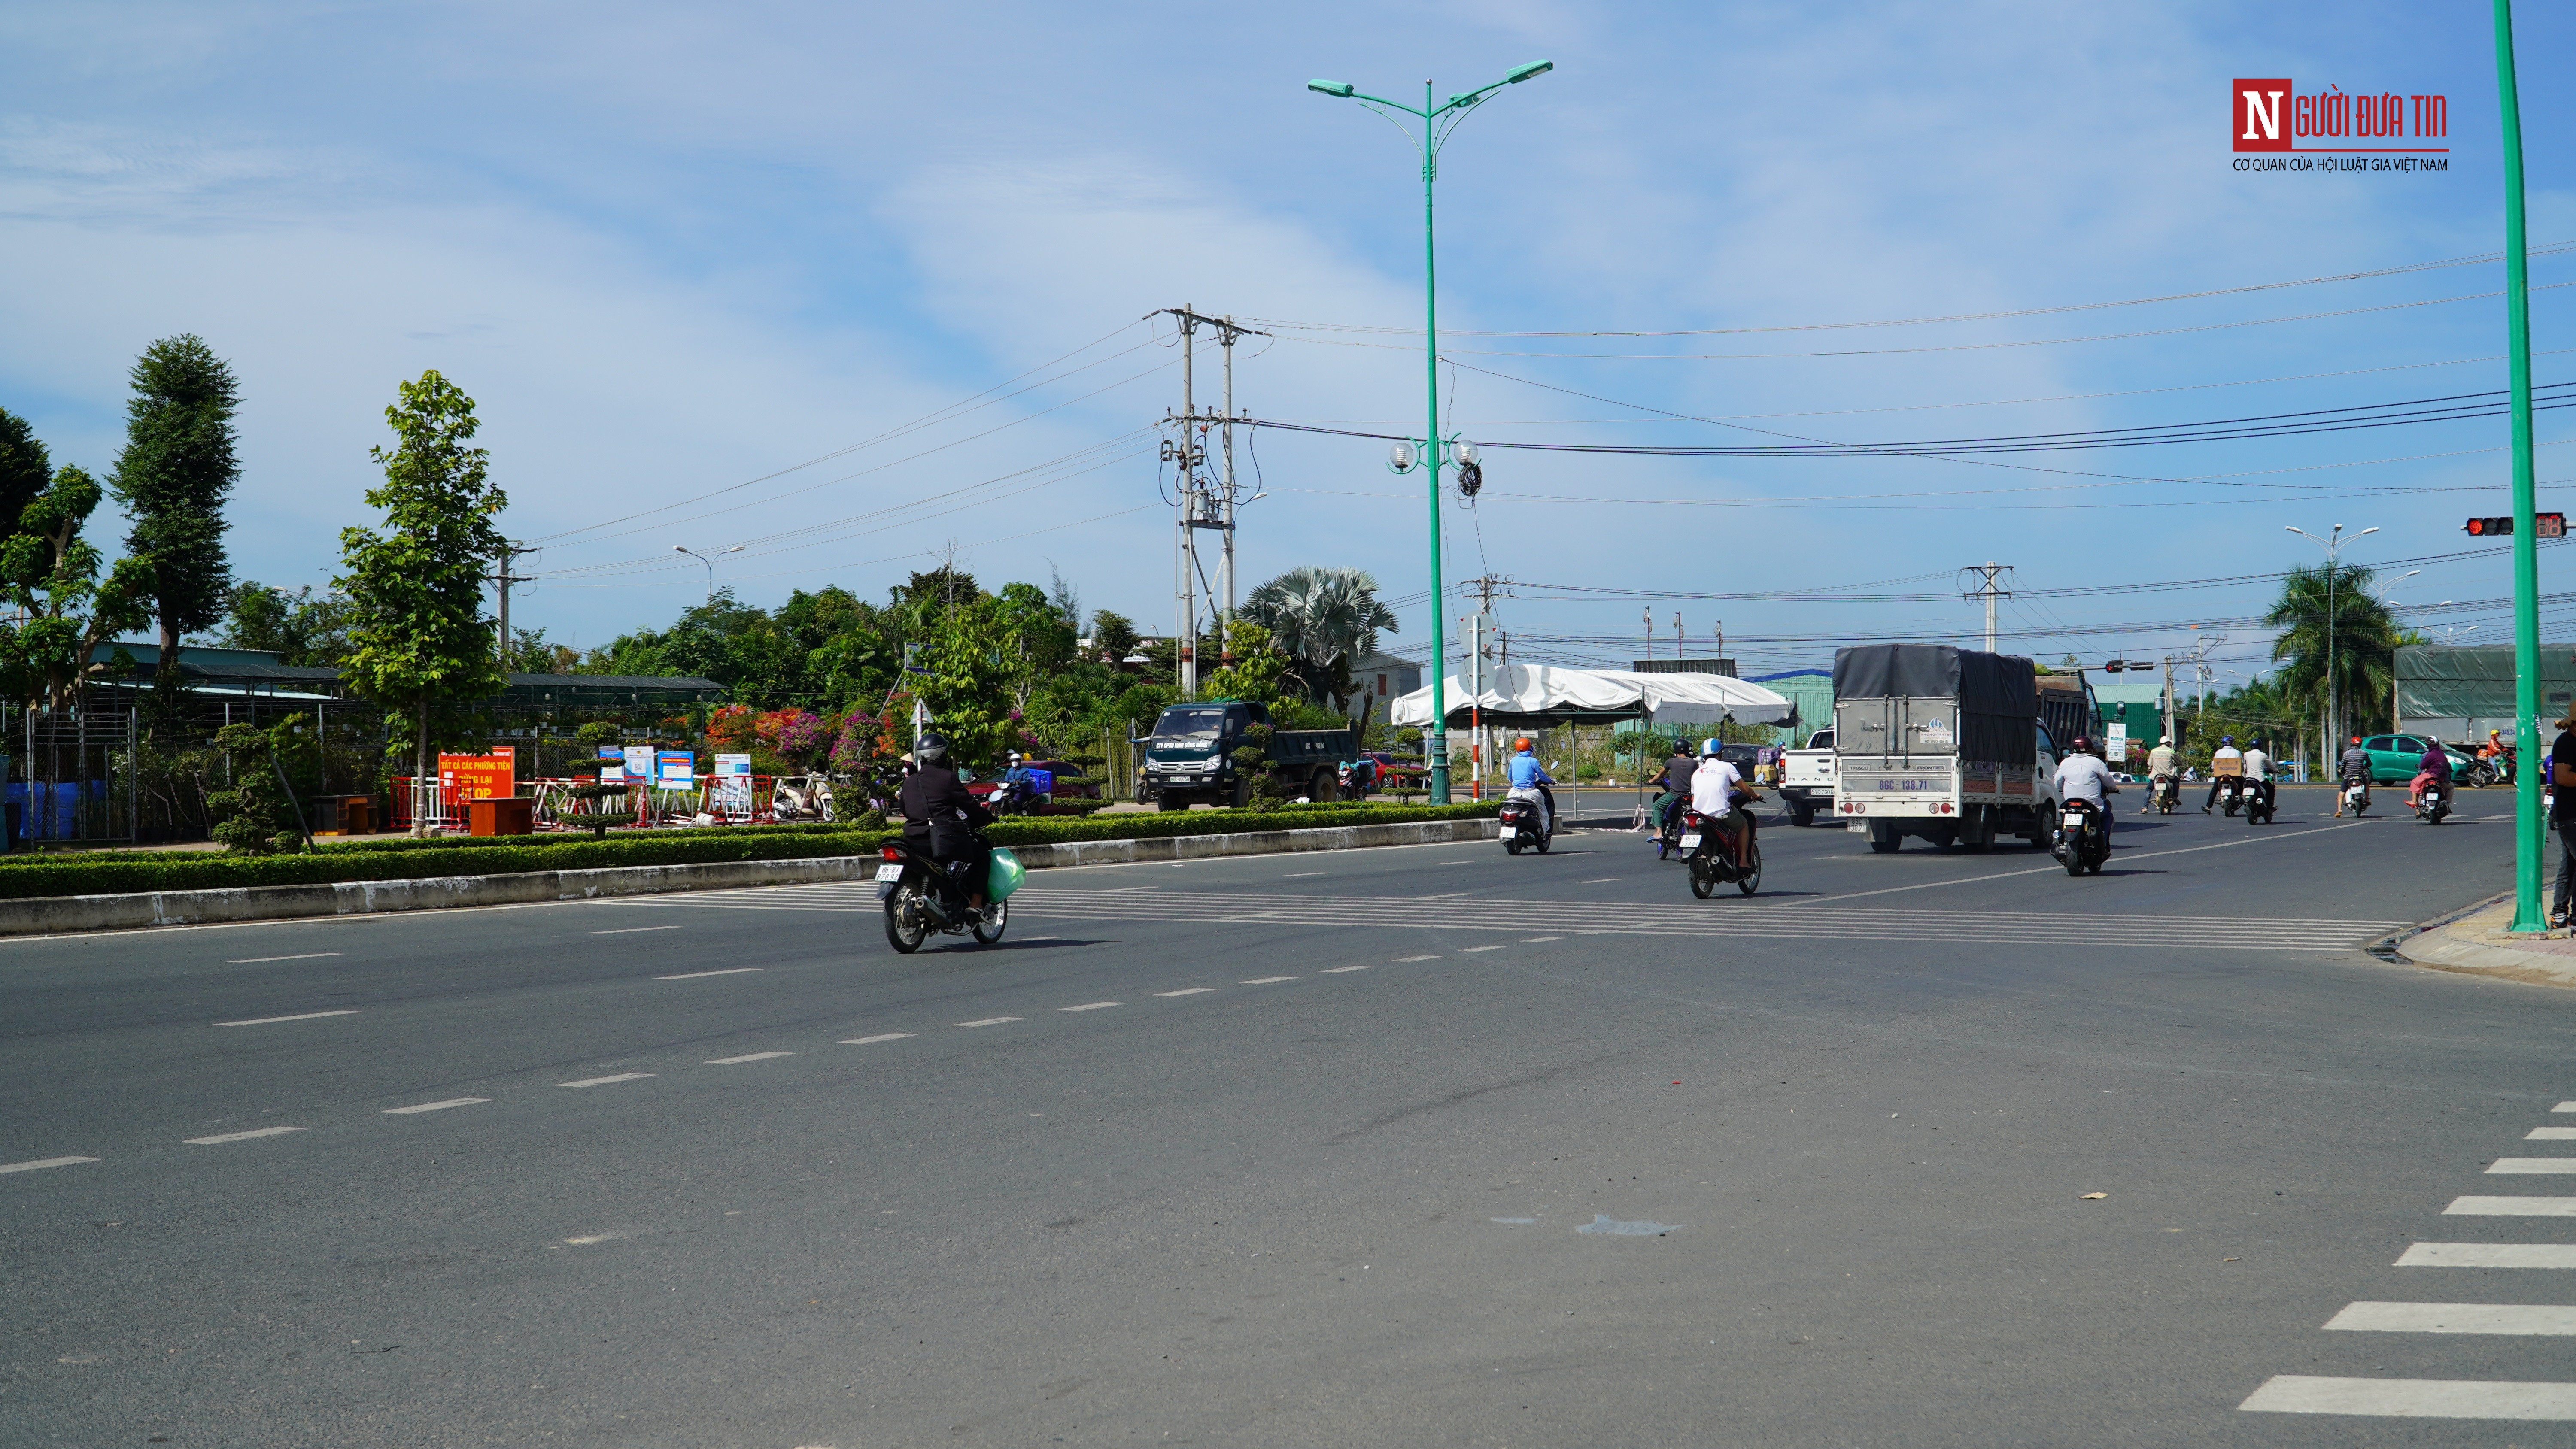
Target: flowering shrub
796, 736
732, 728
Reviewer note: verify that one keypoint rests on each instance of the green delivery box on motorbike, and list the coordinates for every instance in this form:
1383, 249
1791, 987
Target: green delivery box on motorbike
1005, 875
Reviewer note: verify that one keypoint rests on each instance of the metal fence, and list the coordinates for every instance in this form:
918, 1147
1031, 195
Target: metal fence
73, 778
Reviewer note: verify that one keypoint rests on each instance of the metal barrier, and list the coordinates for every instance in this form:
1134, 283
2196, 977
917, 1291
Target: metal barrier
74, 778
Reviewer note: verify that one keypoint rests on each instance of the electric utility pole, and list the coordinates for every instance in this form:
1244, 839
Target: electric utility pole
1205, 502
1988, 592
505, 579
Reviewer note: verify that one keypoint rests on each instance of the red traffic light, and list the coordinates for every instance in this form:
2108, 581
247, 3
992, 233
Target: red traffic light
2543, 525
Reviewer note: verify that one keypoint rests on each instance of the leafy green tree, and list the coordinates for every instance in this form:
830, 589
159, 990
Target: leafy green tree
976, 670
1260, 672
1113, 637
1323, 619
300, 629
416, 589
2322, 615
259, 813
25, 469
50, 575
178, 467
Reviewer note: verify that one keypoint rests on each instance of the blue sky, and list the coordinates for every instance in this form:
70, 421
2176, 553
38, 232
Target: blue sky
723, 277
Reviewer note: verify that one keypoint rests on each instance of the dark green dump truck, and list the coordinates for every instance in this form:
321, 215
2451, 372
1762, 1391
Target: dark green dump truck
1189, 757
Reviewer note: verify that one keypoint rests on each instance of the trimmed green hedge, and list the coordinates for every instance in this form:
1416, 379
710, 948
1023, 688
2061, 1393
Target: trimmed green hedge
126, 872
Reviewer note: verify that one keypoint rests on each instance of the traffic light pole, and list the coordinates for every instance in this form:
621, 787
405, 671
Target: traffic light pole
2530, 828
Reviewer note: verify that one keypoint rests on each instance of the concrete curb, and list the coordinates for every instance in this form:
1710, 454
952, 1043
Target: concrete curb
53, 915
2470, 942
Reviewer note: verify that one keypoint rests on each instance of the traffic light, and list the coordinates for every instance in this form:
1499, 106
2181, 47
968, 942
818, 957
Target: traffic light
2115, 666
2543, 525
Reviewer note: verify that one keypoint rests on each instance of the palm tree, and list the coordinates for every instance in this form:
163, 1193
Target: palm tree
2326, 611
1324, 620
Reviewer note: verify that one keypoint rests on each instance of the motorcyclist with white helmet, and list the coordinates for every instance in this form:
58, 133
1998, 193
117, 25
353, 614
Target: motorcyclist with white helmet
1718, 795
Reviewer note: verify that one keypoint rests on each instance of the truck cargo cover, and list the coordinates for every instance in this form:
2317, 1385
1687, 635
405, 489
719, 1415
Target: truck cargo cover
1998, 702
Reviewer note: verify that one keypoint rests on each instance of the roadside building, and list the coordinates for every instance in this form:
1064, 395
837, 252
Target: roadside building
1810, 693
1382, 677
2458, 694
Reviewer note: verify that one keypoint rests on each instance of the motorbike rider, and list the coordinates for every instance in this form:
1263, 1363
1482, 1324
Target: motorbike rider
1530, 780
2258, 773
1718, 793
2352, 768
2083, 776
1675, 783
939, 818
2163, 770
1019, 782
2433, 769
2225, 763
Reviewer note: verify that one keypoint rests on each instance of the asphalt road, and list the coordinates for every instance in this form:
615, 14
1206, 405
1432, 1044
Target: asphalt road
1404, 1147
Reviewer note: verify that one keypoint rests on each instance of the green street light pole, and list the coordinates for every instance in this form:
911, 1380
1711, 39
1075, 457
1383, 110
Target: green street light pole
1437, 122
2530, 834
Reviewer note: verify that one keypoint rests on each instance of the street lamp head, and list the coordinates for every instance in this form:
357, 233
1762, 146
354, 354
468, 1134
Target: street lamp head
737, 548
2365, 532
1534, 68
1339, 90
679, 548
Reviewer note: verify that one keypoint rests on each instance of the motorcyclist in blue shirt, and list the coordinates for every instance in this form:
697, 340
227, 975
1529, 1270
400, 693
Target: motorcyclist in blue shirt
1530, 781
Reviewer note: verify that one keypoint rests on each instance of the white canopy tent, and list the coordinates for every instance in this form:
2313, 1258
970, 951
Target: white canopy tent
1519, 695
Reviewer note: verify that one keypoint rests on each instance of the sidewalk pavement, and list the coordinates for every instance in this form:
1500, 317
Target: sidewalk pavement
2474, 941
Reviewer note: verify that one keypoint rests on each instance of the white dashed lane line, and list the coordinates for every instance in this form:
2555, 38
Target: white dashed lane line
1265, 980
220, 1138
607, 1081
747, 1057
436, 1106
1534, 940
631, 930
1338, 970
299, 1016
1092, 1006
1187, 991
1472, 950
264, 960
41, 1163
694, 975
1400, 960
992, 1021
880, 1036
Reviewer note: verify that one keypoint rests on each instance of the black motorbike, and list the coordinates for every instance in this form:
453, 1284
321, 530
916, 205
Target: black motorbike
2163, 794
1668, 827
922, 895
2231, 794
2083, 839
2434, 804
1711, 864
2259, 806
1520, 825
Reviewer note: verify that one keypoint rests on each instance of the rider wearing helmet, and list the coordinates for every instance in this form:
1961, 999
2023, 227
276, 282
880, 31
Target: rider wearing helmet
1718, 793
2226, 763
2258, 773
939, 817
2434, 769
2083, 776
2352, 767
1530, 781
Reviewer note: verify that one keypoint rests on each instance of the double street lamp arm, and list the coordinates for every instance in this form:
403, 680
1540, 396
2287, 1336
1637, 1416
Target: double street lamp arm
1438, 120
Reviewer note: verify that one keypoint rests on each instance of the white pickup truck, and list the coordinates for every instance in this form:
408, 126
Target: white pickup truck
1807, 778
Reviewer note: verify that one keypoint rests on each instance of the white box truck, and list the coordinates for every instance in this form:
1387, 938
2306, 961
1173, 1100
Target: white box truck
1942, 744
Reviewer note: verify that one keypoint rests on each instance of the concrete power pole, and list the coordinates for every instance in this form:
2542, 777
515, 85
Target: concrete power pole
1205, 502
1187, 541
505, 579
1988, 592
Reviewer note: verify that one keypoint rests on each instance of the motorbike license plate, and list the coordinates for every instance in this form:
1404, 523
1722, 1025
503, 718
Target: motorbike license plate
1690, 842
2072, 820
889, 871
1509, 831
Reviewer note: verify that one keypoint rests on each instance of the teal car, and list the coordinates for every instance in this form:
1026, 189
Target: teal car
2394, 759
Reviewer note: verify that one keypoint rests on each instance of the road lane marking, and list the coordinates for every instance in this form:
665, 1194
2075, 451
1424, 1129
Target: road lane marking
436, 1106
694, 975
2534, 1165
220, 1138
631, 930
880, 1036
263, 960
2511, 1207
2550, 1134
1265, 980
2117, 856
2413, 1398
299, 1016
41, 1163
746, 1057
1534, 940
1304, 874
991, 1021
606, 1081
1601, 880
2564, 1107
1400, 960
1187, 991
2488, 1255
1471, 950
1091, 1006
1338, 970
2550, 1319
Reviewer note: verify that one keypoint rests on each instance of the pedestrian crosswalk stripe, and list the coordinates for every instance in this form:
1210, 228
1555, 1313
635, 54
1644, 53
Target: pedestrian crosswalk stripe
2487, 1255
2556, 1320
2511, 1207
2413, 1398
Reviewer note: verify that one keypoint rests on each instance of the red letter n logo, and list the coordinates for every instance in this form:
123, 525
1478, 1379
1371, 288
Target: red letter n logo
2259, 115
